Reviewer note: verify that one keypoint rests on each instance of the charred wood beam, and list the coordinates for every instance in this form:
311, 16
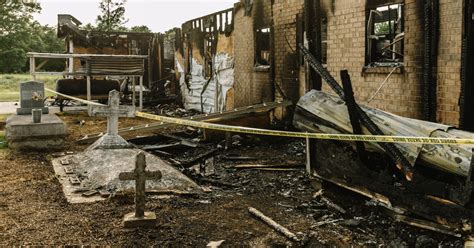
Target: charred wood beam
313, 34
431, 26
353, 115
391, 149
467, 74
213, 117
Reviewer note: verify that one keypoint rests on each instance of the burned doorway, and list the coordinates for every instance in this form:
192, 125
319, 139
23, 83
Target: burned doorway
467, 90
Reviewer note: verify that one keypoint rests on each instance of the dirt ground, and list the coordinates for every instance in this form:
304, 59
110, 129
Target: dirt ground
34, 211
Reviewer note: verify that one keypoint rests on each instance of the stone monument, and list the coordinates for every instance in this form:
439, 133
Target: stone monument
33, 128
140, 218
101, 166
31, 97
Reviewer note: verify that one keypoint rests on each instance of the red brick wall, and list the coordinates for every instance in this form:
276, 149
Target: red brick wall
286, 57
449, 61
402, 92
251, 86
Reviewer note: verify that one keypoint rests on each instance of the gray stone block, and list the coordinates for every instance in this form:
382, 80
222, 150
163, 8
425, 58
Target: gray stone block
23, 134
31, 97
147, 221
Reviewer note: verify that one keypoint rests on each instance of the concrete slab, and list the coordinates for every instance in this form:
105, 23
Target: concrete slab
23, 134
99, 170
147, 221
8, 107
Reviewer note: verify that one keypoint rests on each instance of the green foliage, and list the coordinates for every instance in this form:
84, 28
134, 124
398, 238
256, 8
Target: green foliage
12, 60
20, 34
88, 27
112, 16
3, 141
140, 29
382, 28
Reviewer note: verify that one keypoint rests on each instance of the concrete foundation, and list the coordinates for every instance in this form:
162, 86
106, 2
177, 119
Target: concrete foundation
147, 221
99, 169
23, 134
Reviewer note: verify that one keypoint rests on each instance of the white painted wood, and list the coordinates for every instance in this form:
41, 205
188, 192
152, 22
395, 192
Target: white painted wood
134, 102
33, 68
77, 55
89, 95
141, 94
71, 59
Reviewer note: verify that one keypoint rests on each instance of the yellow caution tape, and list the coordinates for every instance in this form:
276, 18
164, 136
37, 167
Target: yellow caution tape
340, 137
259, 131
74, 98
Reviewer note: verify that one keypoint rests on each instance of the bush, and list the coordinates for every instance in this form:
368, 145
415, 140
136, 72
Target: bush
12, 60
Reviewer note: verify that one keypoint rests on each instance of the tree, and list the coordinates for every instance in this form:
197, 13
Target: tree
12, 60
20, 34
16, 24
140, 29
112, 16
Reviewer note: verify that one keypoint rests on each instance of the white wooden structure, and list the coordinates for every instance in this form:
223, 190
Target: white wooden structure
99, 65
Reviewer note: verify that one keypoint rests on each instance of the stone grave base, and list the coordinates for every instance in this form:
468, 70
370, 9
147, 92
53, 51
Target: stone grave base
94, 175
147, 221
23, 134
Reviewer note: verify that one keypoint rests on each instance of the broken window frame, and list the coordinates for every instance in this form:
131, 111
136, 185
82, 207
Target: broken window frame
260, 62
391, 54
324, 41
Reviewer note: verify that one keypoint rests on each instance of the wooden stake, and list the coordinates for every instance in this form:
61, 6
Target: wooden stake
273, 224
259, 166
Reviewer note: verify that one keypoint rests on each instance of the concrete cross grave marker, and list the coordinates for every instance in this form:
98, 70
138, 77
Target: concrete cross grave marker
113, 111
140, 218
31, 97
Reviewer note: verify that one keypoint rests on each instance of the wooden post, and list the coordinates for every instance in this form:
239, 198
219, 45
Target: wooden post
149, 64
308, 156
133, 92
89, 94
141, 94
216, 97
71, 59
353, 115
33, 68
88, 73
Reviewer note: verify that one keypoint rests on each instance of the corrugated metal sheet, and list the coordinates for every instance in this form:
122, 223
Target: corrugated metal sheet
332, 117
200, 93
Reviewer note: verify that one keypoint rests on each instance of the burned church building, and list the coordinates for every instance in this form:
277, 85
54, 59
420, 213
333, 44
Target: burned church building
411, 58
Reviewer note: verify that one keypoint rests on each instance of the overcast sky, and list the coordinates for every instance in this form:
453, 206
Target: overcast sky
158, 15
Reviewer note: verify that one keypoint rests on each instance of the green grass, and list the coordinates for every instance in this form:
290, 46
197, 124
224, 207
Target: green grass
3, 117
9, 85
3, 142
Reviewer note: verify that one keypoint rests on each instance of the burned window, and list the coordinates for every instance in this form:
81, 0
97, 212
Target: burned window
324, 41
262, 47
303, 38
385, 35
209, 47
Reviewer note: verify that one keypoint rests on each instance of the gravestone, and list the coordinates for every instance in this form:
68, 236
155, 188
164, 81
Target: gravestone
113, 111
140, 218
31, 97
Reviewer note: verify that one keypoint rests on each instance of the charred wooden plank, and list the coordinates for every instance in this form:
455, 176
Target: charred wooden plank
394, 153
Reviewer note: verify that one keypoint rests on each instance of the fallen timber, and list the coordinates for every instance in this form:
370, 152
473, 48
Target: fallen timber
320, 112
392, 150
212, 117
425, 201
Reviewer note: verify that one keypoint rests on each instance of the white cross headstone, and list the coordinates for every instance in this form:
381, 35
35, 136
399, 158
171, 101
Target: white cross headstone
113, 111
